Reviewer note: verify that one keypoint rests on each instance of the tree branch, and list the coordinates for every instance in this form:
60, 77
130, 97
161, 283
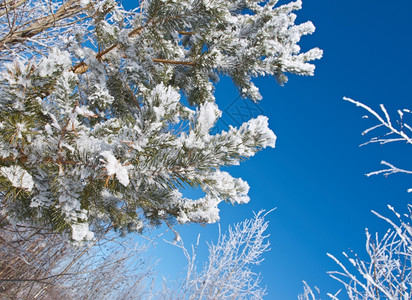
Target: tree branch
68, 9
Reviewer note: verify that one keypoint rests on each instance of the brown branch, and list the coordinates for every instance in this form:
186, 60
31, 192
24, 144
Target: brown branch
137, 30
68, 9
41, 280
9, 6
99, 55
173, 62
82, 67
185, 33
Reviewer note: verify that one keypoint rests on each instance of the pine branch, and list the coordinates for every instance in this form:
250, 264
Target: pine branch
82, 67
21, 160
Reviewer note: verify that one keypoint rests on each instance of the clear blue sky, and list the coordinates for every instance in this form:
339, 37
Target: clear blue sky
315, 175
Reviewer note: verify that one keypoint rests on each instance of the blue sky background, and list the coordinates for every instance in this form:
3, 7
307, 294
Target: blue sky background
315, 175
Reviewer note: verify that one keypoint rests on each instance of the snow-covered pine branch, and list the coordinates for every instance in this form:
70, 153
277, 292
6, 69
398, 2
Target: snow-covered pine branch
96, 128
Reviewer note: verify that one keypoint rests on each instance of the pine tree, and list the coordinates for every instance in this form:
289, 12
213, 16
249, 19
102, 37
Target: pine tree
107, 130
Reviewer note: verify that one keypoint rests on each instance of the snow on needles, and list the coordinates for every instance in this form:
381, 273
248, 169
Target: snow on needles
134, 120
81, 232
207, 117
114, 167
18, 177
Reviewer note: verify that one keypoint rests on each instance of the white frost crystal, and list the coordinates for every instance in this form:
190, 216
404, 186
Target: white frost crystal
207, 117
18, 177
113, 167
81, 232
56, 60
